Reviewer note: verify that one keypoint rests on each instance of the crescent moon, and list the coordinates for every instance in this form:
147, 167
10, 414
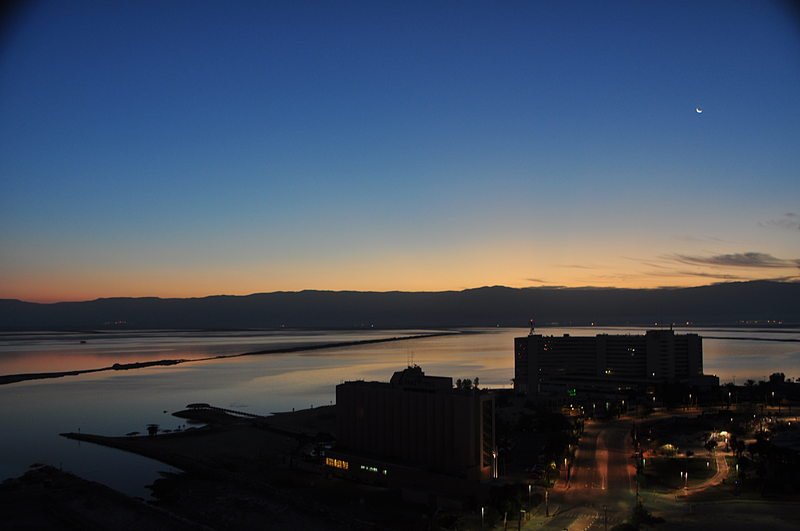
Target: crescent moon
698, 110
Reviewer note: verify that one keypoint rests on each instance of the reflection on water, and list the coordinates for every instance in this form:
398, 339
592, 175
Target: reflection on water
115, 403
62, 351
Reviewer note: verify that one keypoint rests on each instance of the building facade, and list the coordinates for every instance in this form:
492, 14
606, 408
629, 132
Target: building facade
658, 356
418, 421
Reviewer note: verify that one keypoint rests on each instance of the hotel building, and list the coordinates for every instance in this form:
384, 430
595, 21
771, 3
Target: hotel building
608, 361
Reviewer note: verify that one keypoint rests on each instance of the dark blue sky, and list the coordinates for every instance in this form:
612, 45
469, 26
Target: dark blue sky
188, 148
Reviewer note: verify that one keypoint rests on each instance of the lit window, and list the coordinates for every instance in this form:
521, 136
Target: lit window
337, 463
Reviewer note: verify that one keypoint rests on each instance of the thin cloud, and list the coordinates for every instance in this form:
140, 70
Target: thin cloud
722, 276
700, 239
602, 277
537, 280
652, 264
789, 221
749, 259
578, 266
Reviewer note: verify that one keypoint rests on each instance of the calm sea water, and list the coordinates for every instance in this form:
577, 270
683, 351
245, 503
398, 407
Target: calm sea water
114, 403
61, 351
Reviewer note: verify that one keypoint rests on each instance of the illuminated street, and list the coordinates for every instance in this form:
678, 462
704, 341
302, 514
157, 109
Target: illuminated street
601, 483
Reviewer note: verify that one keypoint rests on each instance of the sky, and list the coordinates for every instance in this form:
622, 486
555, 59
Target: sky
191, 148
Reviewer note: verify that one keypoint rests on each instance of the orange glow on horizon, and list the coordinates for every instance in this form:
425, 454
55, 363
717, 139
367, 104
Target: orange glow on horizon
39, 294
448, 269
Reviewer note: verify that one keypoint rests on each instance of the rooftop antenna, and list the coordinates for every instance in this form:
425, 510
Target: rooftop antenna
533, 326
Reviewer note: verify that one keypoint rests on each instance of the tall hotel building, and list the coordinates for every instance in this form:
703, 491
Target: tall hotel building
608, 361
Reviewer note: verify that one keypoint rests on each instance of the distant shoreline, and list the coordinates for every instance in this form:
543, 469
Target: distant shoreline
15, 378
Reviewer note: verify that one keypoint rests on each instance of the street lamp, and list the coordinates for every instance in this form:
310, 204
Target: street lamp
482, 512
546, 502
529, 495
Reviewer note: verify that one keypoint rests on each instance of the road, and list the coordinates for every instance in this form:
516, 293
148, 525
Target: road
603, 474
602, 482
603, 485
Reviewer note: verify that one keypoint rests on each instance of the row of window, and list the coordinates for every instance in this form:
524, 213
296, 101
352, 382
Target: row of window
341, 464
337, 463
373, 469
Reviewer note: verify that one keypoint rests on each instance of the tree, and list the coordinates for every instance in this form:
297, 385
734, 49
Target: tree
475, 382
740, 448
458, 383
777, 378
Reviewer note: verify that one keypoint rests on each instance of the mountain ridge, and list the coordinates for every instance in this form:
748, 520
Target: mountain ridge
723, 303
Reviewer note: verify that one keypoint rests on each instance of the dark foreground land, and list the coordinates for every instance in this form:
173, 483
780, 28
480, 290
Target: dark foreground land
242, 471
47, 498
250, 473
